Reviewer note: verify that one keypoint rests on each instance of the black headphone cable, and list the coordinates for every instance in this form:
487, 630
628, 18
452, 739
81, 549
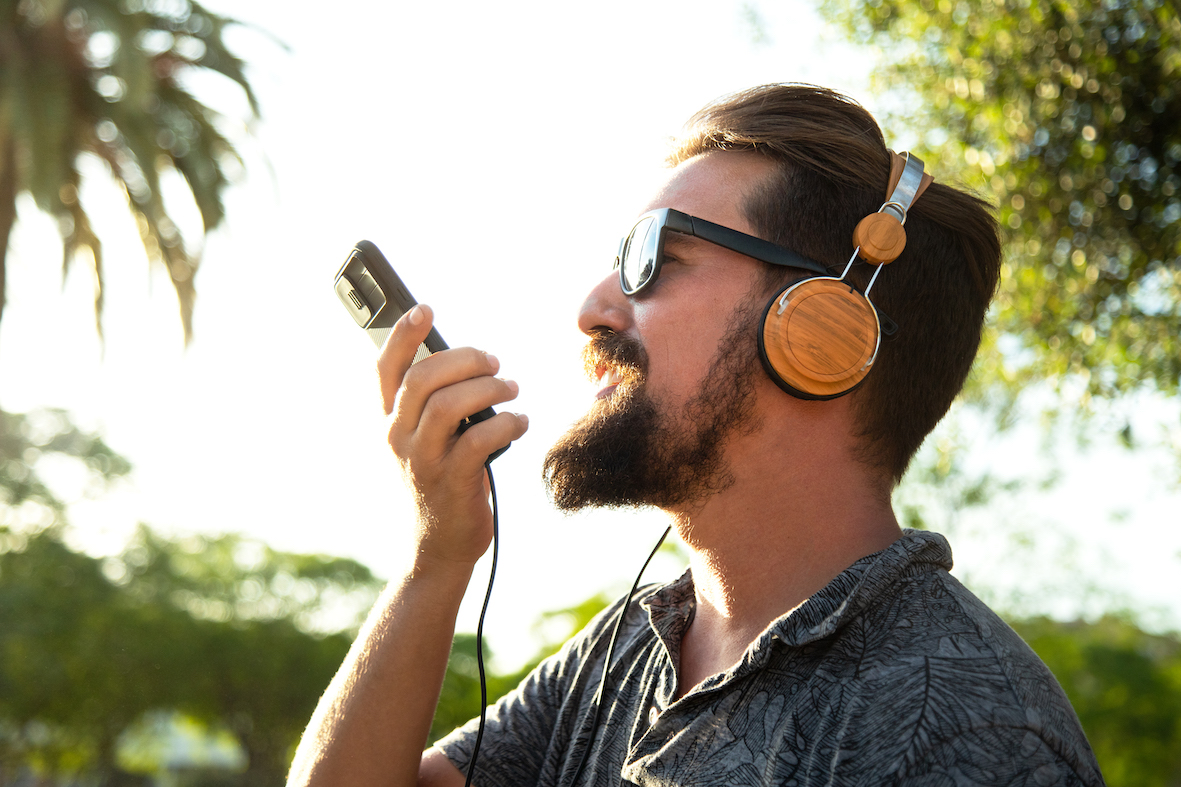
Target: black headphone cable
598, 700
471, 767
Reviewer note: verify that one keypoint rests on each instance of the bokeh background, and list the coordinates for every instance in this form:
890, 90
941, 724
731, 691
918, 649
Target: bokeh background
196, 512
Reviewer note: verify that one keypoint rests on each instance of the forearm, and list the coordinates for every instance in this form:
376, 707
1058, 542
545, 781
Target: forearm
371, 725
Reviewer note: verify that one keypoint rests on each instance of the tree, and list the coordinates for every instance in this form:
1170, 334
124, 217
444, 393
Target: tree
272, 629
104, 79
229, 577
261, 681
78, 662
1069, 113
89, 646
224, 629
27, 439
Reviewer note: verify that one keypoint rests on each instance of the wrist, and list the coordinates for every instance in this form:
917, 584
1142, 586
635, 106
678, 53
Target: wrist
440, 570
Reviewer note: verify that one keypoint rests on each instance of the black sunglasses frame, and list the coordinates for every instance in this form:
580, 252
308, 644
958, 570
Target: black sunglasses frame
751, 246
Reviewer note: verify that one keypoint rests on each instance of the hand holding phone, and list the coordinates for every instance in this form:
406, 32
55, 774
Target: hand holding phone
376, 298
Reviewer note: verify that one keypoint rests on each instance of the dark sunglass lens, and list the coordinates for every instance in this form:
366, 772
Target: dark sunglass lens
639, 255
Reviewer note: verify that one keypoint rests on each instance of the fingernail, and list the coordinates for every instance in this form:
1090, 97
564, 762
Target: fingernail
415, 316
524, 419
492, 359
512, 386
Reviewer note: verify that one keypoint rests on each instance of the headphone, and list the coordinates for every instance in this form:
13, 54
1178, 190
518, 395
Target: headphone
821, 335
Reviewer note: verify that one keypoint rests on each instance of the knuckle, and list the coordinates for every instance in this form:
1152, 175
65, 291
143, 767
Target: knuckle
499, 391
414, 375
475, 361
439, 404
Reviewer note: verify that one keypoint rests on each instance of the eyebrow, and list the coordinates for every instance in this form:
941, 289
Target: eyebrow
676, 240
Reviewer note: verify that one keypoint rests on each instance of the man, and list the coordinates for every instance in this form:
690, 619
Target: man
812, 640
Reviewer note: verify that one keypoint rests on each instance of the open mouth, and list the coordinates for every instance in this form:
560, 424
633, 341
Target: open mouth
606, 379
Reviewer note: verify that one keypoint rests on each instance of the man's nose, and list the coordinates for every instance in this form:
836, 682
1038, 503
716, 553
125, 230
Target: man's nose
605, 307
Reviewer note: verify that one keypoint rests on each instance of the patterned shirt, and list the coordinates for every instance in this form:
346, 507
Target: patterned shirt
894, 673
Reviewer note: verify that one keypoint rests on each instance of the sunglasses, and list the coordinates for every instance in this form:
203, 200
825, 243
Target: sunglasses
641, 253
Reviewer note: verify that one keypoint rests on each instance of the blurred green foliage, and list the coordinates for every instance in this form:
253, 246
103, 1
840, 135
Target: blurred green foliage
86, 651
28, 438
1125, 685
1068, 112
232, 578
225, 630
105, 79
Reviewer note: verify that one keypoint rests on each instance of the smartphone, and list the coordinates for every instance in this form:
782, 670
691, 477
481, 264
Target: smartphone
376, 297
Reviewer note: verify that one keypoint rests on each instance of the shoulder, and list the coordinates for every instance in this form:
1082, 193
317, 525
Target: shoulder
997, 756
959, 684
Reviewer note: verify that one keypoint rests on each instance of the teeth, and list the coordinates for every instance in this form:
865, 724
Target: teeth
607, 376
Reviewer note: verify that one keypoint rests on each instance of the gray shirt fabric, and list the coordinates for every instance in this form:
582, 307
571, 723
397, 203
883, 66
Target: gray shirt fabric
894, 673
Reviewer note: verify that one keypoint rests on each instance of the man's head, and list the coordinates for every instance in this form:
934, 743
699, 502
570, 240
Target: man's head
798, 166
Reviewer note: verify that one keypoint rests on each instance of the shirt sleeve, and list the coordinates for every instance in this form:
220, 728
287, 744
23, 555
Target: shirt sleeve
517, 732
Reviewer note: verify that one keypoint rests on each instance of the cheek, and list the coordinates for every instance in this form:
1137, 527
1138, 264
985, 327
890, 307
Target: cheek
682, 326
680, 349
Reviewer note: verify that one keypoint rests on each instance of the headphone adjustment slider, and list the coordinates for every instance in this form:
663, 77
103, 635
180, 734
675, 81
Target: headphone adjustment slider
783, 301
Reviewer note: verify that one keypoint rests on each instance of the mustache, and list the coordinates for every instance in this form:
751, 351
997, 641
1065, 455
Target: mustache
617, 350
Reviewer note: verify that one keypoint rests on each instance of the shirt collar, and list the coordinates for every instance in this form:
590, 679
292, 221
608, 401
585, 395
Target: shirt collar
671, 606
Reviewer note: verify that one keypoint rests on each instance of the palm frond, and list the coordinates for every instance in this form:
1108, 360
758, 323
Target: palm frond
217, 57
106, 77
201, 166
77, 234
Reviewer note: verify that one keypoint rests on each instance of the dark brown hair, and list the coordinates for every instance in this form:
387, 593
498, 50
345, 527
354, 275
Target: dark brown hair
833, 170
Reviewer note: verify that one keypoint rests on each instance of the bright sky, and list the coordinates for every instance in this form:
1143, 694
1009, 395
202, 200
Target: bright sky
495, 152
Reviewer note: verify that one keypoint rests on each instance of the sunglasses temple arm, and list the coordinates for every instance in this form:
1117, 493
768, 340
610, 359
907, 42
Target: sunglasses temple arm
751, 246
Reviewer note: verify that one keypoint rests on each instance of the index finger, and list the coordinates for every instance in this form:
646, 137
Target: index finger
397, 354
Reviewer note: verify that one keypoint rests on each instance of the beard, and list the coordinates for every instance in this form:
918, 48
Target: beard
628, 451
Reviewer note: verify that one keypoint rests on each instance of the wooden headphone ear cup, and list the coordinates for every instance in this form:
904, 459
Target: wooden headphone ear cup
823, 342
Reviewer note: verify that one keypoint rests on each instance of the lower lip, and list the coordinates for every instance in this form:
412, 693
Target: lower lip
607, 391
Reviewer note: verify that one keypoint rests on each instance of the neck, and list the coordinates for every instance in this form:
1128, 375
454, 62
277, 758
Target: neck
778, 535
